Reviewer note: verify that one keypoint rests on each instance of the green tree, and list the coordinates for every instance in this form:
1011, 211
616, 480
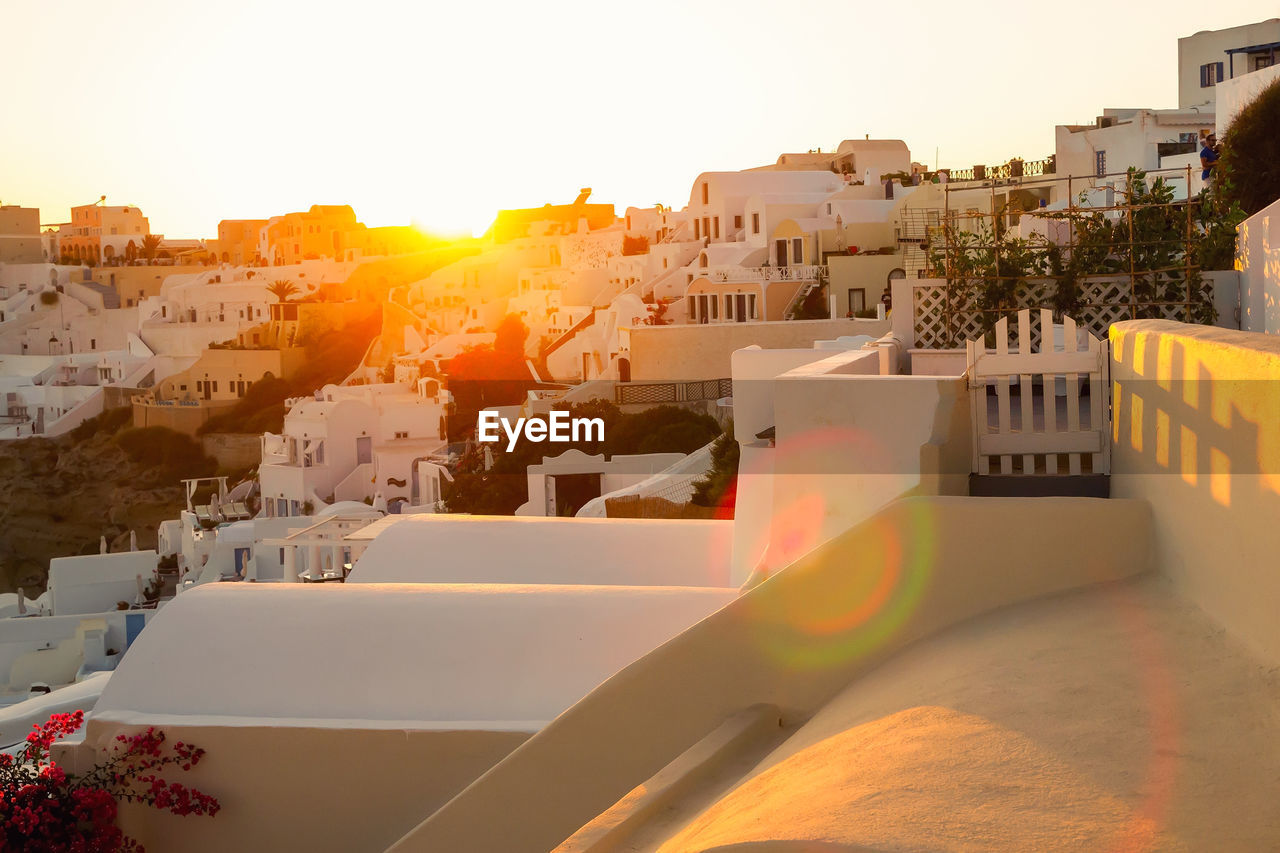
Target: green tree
150, 247
282, 289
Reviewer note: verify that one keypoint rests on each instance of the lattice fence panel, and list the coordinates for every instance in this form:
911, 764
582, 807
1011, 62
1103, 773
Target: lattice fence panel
1102, 302
657, 392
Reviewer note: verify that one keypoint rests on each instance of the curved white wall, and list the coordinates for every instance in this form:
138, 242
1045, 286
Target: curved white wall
504, 550
417, 657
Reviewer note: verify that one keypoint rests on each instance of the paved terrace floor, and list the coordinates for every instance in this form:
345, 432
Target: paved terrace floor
1115, 718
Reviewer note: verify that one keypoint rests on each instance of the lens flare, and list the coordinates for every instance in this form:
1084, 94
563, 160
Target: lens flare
864, 603
1151, 658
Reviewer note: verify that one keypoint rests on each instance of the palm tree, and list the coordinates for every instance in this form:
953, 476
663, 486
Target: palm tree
150, 245
282, 289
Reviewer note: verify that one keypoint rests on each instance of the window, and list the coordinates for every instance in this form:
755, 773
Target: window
737, 222
693, 307
1259, 62
857, 299
702, 260
697, 235
751, 306
715, 228
706, 192
715, 308
728, 306
780, 247
402, 435
1210, 74
797, 250
1100, 163
706, 226
755, 223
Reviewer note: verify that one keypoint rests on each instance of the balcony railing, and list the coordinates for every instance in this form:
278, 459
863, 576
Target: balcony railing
1012, 169
797, 272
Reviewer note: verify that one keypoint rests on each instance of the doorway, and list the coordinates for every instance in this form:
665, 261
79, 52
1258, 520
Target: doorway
568, 493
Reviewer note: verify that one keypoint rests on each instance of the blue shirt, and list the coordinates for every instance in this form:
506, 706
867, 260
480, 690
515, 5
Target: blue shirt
1209, 156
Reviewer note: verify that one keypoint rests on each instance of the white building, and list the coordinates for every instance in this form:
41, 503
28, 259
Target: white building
1212, 56
1121, 139
563, 484
353, 443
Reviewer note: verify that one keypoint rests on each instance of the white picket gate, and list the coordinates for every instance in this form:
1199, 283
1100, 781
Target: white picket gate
1023, 437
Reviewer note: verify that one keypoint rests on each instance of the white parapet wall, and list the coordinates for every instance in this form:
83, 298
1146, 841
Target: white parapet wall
534, 549
96, 583
914, 569
387, 699
847, 441
704, 351
1235, 94
1196, 432
1258, 260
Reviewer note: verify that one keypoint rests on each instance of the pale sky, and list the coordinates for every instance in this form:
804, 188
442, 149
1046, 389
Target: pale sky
442, 113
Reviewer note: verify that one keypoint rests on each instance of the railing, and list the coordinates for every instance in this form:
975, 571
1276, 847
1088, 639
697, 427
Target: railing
798, 272
1013, 169
673, 392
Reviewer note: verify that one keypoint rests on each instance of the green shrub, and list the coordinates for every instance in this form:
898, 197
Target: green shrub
661, 429
107, 423
174, 455
720, 484
1249, 170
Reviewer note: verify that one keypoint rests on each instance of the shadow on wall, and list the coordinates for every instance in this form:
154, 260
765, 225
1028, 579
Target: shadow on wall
1196, 431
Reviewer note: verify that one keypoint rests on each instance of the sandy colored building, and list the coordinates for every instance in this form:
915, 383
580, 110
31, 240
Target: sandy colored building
98, 233
134, 284
316, 233
511, 224
226, 374
238, 241
20, 240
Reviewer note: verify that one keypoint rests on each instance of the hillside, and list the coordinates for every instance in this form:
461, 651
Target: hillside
58, 496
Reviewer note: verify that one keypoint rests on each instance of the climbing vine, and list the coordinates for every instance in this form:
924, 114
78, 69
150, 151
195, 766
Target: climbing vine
1159, 244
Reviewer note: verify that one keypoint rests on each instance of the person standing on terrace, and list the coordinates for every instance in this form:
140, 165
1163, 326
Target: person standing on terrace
1208, 156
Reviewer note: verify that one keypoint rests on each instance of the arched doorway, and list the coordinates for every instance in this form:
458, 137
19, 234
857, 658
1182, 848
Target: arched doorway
624, 370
